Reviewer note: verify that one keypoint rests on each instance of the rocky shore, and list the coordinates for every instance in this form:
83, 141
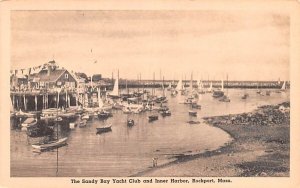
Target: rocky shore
261, 147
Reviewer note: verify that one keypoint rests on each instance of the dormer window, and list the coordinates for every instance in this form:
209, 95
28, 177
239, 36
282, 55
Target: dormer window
66, 76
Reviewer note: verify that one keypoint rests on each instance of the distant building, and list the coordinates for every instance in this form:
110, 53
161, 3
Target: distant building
81, 76
18, 81
97, 77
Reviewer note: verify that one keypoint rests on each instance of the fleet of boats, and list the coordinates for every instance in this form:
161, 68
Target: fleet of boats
134, 103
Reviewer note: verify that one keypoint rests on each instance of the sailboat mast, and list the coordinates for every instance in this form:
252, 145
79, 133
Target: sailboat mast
227, 84
112, 79
118, 84
142, 82
191, 82
138, 80
57, 139
126, 87
163, 85
154, 83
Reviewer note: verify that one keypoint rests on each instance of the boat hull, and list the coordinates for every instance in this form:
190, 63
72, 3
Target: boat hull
103, 130
59, 143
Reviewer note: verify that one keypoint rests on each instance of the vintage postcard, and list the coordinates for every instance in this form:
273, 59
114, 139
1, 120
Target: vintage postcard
185, 93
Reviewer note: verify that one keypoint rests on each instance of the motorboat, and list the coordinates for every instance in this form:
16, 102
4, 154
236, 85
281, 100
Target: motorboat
130, 122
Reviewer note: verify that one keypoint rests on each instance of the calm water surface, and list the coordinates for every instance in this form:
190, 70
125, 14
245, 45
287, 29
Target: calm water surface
129, 150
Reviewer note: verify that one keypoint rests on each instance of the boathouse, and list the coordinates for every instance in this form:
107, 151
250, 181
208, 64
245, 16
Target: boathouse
51, 87
53, 77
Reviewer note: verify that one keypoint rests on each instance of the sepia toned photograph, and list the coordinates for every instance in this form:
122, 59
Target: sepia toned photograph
184, 93
153, 93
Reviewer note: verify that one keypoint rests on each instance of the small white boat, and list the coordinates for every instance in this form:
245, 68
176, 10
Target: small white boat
82, 123
127, 110
72, 125
85, 117
51, 145
224, 99
24, 114
29, 122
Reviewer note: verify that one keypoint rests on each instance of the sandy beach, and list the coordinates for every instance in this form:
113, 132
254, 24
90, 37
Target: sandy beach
261, 147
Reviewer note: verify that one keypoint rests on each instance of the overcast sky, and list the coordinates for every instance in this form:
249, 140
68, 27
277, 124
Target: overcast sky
244, 45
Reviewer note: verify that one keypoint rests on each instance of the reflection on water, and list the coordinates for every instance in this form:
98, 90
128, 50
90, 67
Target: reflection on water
128, 150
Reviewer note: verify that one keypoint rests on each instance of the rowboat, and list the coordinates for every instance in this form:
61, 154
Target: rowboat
104, 129
224, 99
51, 145
218, 94
193, 122
166, 113
153, 118
29, 122
245, 96
163, 108
196, 106
192, 113
104, 115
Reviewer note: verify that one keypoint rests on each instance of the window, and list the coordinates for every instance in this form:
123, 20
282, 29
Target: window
66, 75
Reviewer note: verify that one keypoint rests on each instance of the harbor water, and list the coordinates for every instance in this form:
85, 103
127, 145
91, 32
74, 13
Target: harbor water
128, 150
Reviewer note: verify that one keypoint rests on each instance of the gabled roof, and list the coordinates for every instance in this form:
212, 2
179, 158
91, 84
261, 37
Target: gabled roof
54, 75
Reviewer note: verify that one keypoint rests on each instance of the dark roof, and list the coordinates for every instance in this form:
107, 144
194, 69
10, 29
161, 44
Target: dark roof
51, 62
54, 75
81, 75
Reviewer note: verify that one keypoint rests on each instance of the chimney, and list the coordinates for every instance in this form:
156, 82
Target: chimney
49, 70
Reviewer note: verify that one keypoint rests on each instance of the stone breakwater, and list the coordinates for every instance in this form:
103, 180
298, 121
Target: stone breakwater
268, 115
261, 147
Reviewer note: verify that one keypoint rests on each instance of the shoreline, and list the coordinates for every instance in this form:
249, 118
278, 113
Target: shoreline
260, 147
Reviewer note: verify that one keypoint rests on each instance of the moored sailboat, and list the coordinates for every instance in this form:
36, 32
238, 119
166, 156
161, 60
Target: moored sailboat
225, 98
219, 93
